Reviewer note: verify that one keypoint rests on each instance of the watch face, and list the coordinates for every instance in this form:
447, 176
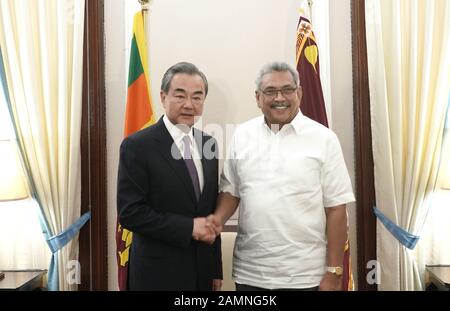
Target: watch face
336, 270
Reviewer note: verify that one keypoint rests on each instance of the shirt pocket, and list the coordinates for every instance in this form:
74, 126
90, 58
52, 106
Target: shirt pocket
300, 174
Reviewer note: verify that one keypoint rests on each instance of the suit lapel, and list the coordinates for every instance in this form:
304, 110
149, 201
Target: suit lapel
176, 161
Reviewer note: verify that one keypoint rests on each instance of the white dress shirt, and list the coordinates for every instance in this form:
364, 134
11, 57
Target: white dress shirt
284, 181
178, 135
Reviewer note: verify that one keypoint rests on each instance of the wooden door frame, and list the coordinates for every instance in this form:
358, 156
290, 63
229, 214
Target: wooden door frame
93, 238
364, 175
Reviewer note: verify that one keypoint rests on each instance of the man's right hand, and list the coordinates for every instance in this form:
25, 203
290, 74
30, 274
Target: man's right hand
206, 229
202, 231
213, 221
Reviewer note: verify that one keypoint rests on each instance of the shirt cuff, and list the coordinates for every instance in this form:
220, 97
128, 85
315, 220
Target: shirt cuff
342, 199
230, 189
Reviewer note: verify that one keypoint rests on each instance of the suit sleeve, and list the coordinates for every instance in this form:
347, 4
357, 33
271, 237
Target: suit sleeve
134, 211
218, 273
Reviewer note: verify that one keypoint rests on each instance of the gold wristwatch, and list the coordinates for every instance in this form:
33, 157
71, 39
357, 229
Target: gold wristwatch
338, 271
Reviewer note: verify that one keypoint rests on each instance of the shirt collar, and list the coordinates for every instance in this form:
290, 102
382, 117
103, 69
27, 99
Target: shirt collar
175, 132
296, 123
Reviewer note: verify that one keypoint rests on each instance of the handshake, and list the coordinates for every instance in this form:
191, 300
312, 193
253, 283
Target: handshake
206, 229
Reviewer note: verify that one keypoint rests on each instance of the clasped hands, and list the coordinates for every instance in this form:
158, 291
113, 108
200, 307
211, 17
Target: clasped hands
206, 229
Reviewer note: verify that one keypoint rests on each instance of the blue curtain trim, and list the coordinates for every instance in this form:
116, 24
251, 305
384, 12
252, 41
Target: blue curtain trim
53, 275
58, 241
407, 239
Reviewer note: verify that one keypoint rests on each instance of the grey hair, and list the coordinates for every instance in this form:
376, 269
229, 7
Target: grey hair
182, 67
277, 67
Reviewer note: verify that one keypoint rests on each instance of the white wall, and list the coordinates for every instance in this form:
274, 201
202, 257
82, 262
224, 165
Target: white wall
229, 41
115, 84
342, 94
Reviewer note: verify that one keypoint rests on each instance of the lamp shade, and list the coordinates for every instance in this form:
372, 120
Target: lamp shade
12, 179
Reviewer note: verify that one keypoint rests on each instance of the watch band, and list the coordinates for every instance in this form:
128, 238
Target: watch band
336, 270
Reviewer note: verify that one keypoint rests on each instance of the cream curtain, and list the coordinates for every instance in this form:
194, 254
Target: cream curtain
434, 248
42, 46
409, 67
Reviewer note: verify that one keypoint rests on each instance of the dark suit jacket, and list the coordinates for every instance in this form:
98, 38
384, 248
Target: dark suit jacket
156, 201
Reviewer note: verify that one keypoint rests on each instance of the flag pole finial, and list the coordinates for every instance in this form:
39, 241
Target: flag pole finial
144, 4
310, 6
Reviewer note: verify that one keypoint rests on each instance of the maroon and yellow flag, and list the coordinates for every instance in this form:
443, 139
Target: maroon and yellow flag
313, 104
139, 114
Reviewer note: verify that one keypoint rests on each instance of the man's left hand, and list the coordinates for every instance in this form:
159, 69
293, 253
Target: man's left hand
330, 282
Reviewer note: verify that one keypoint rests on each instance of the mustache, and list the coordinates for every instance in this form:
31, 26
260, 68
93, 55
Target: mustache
279, 104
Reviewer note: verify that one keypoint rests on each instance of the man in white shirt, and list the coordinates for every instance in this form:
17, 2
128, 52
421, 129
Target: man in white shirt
287, 174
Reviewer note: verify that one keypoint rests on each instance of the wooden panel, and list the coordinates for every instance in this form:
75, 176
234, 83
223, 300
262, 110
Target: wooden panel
93, 239
365, 191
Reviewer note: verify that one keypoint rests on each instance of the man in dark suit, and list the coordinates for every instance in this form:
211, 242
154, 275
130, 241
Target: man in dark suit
167, 185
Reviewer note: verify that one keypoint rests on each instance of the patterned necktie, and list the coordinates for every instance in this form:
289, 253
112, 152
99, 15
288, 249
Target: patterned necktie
191, 166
